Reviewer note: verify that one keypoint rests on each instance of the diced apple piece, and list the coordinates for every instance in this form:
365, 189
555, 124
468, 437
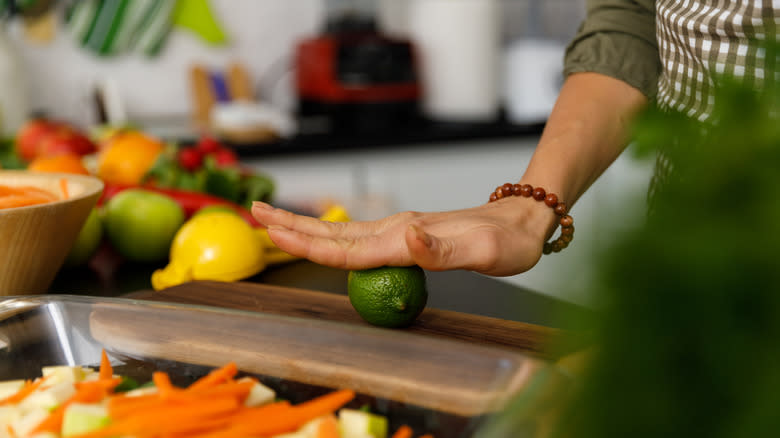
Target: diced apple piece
48, 398
308, 430
359, 424
63, 373
259, 394
10, 387
28, 421
141, 391
9, 414
82, 418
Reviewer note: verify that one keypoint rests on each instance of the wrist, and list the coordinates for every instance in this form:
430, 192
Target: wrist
554, 213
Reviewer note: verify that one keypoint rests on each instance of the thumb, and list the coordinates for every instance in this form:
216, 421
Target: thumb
424, 249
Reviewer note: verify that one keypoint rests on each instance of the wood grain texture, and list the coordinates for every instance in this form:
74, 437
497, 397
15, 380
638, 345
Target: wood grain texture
516, 336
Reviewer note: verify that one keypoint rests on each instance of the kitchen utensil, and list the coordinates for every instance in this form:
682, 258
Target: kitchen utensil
441, 386
357, 77
34, 240
458, 41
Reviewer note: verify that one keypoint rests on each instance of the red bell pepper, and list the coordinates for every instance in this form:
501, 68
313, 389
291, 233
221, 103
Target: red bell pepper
190, 201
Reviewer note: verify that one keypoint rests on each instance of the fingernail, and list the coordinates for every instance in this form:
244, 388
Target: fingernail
422, 235
262, 205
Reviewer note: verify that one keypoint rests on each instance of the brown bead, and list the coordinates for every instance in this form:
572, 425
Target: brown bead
567, 221
556, 246
526, 190
507, 188
551, 200
560, 209
566, 237
539, 194
493, 197
516, 189
547, 248
564, 244
499, 193
567, 231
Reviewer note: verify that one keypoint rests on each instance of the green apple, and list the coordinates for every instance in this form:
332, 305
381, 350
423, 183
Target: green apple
88, 240
141, 224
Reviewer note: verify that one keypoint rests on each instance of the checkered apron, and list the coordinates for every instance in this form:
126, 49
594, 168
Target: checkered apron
701, 40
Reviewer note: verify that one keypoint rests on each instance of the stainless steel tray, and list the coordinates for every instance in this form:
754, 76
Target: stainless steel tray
443, 386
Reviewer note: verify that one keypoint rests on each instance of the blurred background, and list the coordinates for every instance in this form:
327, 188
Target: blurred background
382, 105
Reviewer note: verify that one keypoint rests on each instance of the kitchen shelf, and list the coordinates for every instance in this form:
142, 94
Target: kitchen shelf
426, 132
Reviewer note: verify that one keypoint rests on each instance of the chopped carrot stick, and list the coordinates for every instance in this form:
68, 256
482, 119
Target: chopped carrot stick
13, 201
106, 371
64, 188
28, 388
145, 422
216, 376
163, 384
106, 385
294, 417
328, 428
403, 432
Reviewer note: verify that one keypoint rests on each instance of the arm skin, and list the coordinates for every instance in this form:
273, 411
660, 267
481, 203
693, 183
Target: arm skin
585, 133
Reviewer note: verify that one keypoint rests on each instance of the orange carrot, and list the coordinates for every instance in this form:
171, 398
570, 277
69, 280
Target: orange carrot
403, 432
26, 390
291, 419
216, 376
328, 428
64, 188
13, 201
106, 371
146, 422
163, 384
106, 385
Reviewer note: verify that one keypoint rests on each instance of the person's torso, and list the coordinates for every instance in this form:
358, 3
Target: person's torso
701, 40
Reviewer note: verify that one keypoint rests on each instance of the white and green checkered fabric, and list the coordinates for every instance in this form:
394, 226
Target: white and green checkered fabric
699, 41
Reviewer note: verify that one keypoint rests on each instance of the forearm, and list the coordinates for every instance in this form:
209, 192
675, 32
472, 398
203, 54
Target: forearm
587, 130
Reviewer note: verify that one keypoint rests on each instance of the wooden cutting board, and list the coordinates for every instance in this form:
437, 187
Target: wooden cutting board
518, 336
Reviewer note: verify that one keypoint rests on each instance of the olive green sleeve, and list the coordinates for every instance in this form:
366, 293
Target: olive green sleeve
617, 39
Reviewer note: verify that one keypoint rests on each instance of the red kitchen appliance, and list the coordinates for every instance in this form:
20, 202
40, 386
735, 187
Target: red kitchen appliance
358, 78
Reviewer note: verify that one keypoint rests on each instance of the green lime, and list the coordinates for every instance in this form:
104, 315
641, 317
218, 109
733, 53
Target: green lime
141, 224
88, 240
390, 296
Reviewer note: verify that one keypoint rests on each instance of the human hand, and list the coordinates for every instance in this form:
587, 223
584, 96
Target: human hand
500, 238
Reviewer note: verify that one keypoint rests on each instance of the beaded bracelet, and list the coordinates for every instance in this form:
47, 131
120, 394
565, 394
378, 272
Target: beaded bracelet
551, 200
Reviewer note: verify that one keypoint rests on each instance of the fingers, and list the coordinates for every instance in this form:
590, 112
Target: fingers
361, 253
268, 215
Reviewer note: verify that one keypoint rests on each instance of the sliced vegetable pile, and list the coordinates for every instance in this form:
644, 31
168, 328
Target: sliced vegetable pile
83, 403
23, 196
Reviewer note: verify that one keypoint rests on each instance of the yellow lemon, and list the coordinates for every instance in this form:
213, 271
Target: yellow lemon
213, 245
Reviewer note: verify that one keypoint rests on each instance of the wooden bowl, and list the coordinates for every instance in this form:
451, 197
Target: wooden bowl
35, 240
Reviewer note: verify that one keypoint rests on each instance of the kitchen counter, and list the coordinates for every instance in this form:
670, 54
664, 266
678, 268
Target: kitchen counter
314, 138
